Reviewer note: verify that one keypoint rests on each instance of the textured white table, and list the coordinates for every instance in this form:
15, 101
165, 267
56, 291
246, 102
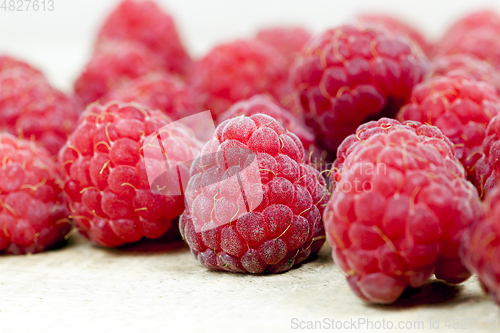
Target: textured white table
88, 289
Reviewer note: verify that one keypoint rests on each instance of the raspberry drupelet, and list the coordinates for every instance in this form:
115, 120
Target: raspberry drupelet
399, 207
480, 248
33, 211
398, 27
253, 205
112, 65
348, 75
460, 107
107, 178
160, 91
31, 108
146, 23
239, 70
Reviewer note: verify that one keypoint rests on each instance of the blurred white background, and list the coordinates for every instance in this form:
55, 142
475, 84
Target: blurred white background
60, 42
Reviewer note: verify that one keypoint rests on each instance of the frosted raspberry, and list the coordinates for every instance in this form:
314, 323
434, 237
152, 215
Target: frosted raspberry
146, 23
107, 177
288, 41
477, 34
480, 250
113, 65
478, 69
254, 206
30, 108
263, 104
239, 70
348, 75
158, 91
398, 210
33, 211
487, 169
398, 27
460, 106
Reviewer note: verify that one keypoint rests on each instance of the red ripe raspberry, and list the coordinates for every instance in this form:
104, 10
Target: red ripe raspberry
476, 20
158, 91
146, 23
33, 212
236, 71
465, 63
263, 104
287, 41
460, 106
254, 206
7, 63
112, 65
107, 178
480, 249
477, 34
399, 208
487, 169
350, 74
31, 108
483, 43
398, 27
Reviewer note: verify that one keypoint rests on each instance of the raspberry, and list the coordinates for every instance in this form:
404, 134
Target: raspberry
487, 171
476, 20
348, 75
398, 210
112, 65
483, 43
477, 34
263, 104
31, 108
158, 91
146, 23
7, 63
478, 69
398, 27
33, 213
460, 106
254, 206
107, 177
480, 249
287, 41
238, 70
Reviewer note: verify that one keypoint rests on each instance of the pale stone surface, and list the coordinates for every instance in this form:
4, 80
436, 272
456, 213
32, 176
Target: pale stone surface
85, 288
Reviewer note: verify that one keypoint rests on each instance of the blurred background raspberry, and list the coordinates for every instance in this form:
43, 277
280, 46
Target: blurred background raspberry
70, 29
